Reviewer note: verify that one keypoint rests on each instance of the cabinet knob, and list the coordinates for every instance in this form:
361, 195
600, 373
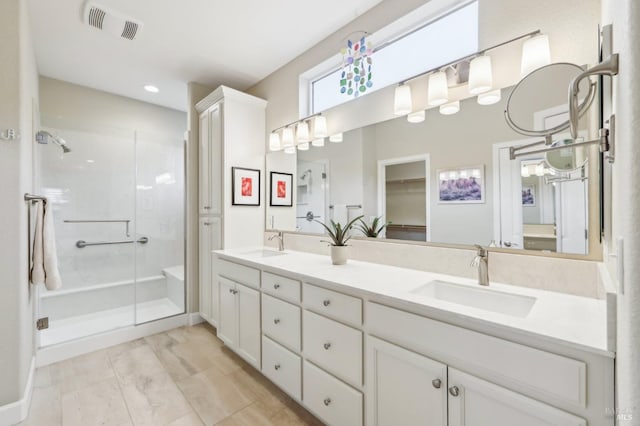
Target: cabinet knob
231, 290
207, 223
326, 302
207, 207
327, 346
454, 391
276, 286
277, 366
327, 401
436, 383
276, 321
235, 291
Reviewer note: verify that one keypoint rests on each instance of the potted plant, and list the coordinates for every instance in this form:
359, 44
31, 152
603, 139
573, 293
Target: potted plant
371, 230
339, 237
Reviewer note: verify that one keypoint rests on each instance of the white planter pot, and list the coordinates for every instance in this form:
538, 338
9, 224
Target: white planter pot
339, 254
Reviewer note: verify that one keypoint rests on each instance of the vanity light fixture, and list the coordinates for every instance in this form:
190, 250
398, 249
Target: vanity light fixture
320, 127
304, 146
416, 117
318, 142
450, 108
402, 100
535, 54
480, 75
287, 137
490, 98
337, 138
274, 142
524, 171
290, 150
438, 91
302, 132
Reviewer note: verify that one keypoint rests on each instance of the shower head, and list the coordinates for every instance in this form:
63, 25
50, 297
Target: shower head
44, 137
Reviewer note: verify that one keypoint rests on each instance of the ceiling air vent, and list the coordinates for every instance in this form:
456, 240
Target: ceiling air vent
112, 22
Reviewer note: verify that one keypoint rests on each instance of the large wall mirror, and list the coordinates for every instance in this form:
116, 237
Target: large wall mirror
450, 178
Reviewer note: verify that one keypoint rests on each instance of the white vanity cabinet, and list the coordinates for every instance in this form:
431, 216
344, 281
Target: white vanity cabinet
210, 164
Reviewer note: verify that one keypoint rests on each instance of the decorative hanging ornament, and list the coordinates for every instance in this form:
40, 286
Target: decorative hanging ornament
355, 77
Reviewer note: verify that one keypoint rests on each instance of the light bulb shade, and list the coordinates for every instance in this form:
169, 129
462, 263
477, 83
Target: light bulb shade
290, 150
450, 108
539, 169
337, 138
304, 146
274, 142
490, 98
438, 92
320, 127
302, 132
535, 54
287, 137
480, 75
318, 142
416, 117
402, 101
524, 171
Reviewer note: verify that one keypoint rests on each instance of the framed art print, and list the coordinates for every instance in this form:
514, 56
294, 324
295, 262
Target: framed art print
245, 187
461, 185
281, 187
529, 195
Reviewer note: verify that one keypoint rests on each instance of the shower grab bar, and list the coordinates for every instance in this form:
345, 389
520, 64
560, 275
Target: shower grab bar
83, 243
350, 206
125, 221
31, 199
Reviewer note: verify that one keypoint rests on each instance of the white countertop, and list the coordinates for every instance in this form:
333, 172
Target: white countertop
578, 322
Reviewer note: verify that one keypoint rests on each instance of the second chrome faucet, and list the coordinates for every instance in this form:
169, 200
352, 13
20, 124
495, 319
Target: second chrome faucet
280, 237
481, 261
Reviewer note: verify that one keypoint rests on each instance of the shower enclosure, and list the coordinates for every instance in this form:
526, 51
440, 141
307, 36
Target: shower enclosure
118, 201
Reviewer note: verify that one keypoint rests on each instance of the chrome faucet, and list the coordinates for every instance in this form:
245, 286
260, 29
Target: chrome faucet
481, 261
280, 237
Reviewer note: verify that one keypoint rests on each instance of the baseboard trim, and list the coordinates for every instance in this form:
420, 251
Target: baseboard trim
195, 318
15, 412
62, 351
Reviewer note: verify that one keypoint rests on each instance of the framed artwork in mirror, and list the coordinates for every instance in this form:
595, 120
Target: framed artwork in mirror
245, 187
461, 185
528, 195
281, 185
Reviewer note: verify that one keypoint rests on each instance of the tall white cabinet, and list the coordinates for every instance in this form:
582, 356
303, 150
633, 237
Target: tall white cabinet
231, 134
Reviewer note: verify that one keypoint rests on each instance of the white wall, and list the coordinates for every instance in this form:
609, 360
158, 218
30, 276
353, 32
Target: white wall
19, 91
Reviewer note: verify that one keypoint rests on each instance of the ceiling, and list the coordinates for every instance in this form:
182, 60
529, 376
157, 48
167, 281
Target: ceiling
212, 42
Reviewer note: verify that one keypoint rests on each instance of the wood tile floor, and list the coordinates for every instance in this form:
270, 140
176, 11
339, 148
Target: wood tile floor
181, 377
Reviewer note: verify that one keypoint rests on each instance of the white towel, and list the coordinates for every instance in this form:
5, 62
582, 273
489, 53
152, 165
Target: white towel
45, 258
340, 214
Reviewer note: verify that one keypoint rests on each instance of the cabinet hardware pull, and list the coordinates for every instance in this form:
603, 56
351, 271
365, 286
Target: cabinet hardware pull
454, 391
276, 286
207, 207
326, 302
207, 223
277, 366
436, 383
276, 321
327, 346
235, 291
327, 401
231, 290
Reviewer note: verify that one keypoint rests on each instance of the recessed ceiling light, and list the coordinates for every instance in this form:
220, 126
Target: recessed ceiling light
91, 161
151, 88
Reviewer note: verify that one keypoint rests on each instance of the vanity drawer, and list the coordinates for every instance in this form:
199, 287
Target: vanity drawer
333, 304
282, 367
333, 401
281, 321
333, 346
239, 273
543, 375
282, 287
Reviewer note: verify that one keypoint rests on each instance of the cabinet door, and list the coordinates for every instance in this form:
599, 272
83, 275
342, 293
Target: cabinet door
205, 279
215, 153
405, 388
204, 193
249, 324
476, 402
228, 317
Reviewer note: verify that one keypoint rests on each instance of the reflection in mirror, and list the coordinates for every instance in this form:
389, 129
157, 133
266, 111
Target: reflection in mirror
520, 204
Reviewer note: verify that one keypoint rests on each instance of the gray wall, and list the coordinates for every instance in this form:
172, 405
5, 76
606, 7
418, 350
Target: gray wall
19, 92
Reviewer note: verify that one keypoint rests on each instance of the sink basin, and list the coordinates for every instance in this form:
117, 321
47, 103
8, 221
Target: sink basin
489, 300
263, 253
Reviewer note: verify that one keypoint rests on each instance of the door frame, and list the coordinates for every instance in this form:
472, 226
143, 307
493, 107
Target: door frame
382, 194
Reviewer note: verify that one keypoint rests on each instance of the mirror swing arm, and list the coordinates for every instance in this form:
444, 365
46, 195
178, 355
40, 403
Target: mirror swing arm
606, 139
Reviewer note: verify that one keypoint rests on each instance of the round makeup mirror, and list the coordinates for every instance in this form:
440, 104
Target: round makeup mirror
553, 80
567, 159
